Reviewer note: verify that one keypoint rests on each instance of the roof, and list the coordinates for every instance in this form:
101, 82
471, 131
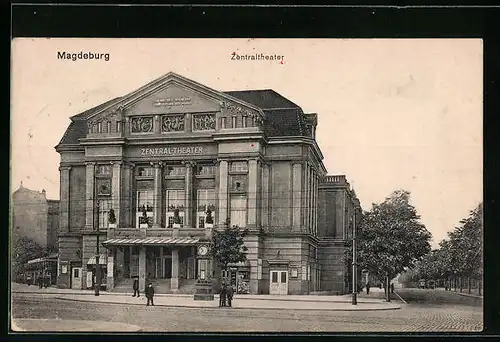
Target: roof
88, 112
264, 99
76, 130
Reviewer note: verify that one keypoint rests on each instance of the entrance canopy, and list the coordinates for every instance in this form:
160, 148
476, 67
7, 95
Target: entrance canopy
157, 241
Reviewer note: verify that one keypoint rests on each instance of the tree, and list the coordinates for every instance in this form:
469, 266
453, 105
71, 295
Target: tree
391, 238
228, 246
23, 250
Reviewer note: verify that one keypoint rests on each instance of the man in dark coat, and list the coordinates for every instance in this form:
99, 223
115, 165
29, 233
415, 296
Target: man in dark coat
150, 292
229, 294
367, 287
223, 293
135, 287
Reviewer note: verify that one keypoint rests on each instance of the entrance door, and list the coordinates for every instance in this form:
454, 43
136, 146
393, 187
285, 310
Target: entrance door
168, 267
76, 278
279, 283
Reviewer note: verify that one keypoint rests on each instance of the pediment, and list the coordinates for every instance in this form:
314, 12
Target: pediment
174, 98
173, 93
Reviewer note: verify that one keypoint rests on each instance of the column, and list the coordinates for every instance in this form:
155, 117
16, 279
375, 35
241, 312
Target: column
64, 222
142, 268
174, 281
126, 217
116, 190
305, 195
296, 195
188, 222
110, 280
316, 184
157, 124
265, 196
223, 199
89, 196
253, 179
157, 195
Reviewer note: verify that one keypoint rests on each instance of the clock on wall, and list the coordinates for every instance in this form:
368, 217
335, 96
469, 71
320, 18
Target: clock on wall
202, 250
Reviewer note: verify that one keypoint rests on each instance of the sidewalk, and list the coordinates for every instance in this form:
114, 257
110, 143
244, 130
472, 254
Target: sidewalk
289, 302
59, 325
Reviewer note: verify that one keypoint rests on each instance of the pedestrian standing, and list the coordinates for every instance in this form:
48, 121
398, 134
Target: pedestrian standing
222, 298
229, 294
367, 287
392, 287
150, 292
135, 287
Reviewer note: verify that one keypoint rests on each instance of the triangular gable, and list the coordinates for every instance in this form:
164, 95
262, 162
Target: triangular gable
172, 79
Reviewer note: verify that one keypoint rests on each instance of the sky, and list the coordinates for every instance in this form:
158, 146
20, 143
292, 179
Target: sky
392, 113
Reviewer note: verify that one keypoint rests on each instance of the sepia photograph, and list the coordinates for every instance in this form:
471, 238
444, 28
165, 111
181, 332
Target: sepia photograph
246, 185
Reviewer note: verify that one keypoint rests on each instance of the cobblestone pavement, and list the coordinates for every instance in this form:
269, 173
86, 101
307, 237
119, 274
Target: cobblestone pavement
411, 318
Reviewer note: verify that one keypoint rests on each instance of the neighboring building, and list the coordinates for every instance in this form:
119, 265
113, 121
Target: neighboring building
35, 217
172, 150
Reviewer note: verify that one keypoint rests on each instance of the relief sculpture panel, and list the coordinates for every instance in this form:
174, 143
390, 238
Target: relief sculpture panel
203, 122
172, 123
141, 124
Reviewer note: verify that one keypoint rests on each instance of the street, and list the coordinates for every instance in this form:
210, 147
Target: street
453, 313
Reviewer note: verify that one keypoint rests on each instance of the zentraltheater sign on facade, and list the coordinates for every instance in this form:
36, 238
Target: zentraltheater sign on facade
177, 148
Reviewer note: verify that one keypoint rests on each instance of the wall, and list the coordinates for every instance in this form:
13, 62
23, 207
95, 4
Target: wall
52, 223
30, 215
331, 259
280, 195
68, 247
77, 199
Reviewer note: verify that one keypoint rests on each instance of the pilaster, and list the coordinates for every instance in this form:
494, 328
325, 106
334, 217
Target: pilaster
265, 195
89, 195
296, 196
223, 191
64, 222
142, 268
174, 281
188, 214
157, 194
116, 191
253, 189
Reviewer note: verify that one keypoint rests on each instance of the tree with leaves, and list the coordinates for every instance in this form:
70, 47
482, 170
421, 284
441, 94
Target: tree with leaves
23, 250
228, 246
391, 237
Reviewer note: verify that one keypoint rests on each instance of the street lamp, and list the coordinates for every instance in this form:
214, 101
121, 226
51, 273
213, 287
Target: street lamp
97, 263
354, 266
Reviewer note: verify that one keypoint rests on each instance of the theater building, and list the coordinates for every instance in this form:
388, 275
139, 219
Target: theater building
164, 156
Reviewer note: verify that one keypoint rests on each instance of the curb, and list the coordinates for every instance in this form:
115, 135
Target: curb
468, 295
232, 308
400, 298
190, 296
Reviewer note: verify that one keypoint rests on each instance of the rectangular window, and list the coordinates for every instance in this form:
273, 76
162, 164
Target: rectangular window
206, 170
175, 199
239, 183
144, 206
104, 206
234, 122
205, 200
274, 277
239, 166
145, 171
176, 171
283, 277
239, 211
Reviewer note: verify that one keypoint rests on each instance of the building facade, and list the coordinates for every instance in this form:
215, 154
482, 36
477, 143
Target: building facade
35, 217
171, 154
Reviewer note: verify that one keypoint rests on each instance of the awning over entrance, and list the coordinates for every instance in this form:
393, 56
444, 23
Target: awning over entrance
102, 260
151, 241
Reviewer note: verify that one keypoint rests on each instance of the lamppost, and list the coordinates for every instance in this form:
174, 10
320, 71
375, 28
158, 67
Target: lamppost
97, 261
354, 266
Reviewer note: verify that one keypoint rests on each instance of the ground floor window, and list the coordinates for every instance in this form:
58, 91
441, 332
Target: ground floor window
144, 207
205, 201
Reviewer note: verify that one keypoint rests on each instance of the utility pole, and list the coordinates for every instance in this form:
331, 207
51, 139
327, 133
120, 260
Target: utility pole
354, 261
97, 261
